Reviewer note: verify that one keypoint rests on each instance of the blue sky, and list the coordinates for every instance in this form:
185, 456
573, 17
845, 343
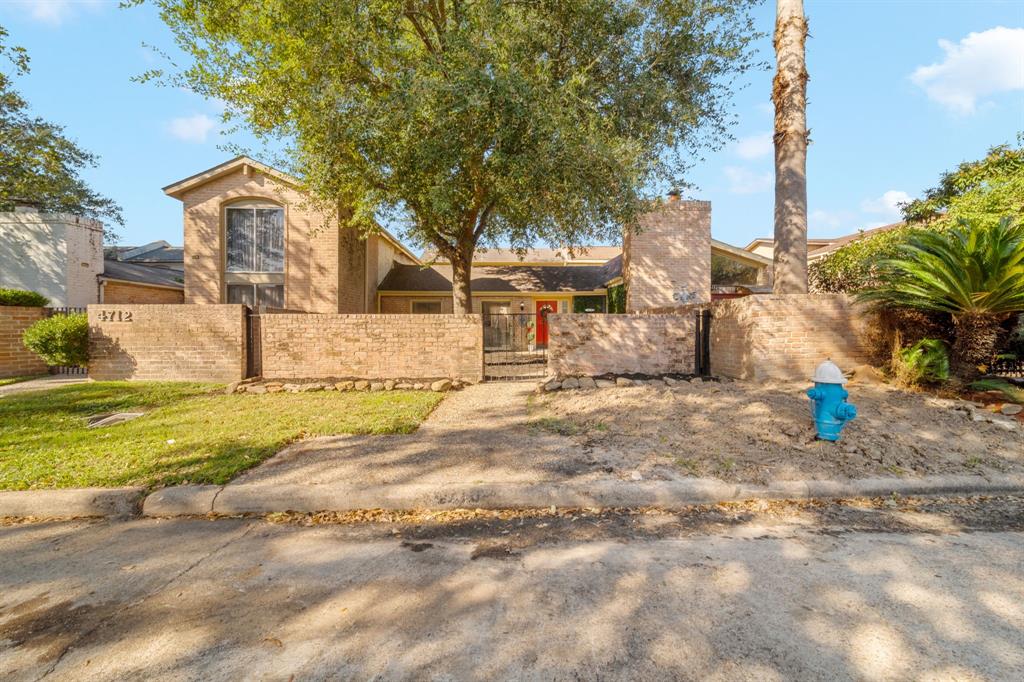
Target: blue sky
900, 91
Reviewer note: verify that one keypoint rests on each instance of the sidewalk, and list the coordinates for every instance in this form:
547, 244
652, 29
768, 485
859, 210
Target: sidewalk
43, 383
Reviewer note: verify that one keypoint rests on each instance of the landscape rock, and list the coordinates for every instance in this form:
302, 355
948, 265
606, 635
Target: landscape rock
604, 383
587, 382
441, 385
669, 381
571, 382
232, 387
361, 385
306, 388
418, 386
552, 385
403, 386
696, 380
345, 385
623, 381
275, 388
256, 388
1010, 409
291, 387
377, 386
389, 385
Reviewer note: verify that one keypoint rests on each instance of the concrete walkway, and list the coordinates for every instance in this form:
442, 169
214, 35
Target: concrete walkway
44, 383
557, 599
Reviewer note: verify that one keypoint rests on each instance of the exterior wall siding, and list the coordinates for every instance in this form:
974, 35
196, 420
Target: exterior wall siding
128, 292
15, 359
785, 337
582, 344
667, 262
167, 342
372, 346
315, 249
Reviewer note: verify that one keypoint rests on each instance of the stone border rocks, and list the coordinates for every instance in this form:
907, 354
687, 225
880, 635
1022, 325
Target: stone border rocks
558, 383
260, 386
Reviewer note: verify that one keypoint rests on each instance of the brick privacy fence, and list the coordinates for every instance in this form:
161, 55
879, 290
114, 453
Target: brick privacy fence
592, 344
15, 359
167, 342
314, 346
785, 337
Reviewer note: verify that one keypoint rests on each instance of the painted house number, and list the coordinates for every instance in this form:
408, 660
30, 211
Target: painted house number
115, 316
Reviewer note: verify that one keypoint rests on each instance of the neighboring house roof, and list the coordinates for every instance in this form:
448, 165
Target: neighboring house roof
585, 255
860, 234
154, 252
737, 253
815, 242
503, 278
137, 273
245, 163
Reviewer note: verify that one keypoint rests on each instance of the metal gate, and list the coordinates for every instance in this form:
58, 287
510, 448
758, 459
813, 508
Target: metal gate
513, 349
66, 369
702, 344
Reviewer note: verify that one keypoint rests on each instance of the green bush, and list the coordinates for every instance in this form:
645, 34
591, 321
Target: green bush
22, 297
926, 361
617, 299
60, 340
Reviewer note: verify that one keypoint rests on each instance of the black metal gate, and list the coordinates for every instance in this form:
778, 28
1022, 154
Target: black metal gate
66, 369
515, 346
702, 344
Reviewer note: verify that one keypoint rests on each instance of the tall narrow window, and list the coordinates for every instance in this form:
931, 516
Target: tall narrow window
255, 239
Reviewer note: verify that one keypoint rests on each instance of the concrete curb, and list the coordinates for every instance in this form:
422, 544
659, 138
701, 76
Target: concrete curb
72, 502
262, 499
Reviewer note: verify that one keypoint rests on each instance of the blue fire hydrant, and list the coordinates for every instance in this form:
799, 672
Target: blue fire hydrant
828, 401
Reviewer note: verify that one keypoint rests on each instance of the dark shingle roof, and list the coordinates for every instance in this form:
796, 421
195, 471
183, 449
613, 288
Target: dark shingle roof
504, 278
143, 274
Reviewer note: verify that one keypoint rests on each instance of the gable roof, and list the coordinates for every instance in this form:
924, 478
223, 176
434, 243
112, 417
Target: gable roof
860, 234
585, 255
243, 163
154, 252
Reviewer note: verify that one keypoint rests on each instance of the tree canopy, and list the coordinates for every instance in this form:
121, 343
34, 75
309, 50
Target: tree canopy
981, 192
474, 121
39, 165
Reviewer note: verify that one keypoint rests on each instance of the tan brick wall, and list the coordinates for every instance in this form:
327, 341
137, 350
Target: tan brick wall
785, 337
372, 346
669, 257
314, 248
167, 342
15, 359
593, 344
127, 292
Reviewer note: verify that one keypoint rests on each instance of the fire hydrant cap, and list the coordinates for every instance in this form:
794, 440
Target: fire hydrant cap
828, 372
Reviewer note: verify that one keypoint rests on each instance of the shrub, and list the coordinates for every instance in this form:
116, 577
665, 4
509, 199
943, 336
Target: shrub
617, 299
927, 361
60, 340
22, 297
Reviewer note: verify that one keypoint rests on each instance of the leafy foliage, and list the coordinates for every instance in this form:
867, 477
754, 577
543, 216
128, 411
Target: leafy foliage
973, 272
23, 298
60, 340
617, 299
925, 361
981, 192
38, 164
474, 122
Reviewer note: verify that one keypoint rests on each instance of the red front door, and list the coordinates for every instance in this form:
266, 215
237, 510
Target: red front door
543, 308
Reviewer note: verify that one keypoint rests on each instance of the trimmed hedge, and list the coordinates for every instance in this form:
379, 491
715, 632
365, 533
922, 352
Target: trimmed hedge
60, 340
23, 298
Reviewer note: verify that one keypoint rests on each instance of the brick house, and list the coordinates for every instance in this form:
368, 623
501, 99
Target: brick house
251, 237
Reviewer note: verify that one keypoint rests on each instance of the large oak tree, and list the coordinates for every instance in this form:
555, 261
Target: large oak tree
474, 121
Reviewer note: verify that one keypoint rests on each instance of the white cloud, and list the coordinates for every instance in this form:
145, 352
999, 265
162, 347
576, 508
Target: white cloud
192, 128
887, 205
755, 146
54, 11
745, 181
980, 65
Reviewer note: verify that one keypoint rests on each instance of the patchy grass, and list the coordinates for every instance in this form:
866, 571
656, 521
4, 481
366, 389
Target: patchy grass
17, 380
190, 432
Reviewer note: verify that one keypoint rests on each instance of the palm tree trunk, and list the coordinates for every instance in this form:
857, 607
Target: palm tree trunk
975, 343
789, 94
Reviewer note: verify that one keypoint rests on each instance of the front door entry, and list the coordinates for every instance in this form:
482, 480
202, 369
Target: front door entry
543, 308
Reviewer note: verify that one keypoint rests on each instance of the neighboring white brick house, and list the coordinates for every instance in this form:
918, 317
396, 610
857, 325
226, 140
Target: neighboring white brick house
57, 255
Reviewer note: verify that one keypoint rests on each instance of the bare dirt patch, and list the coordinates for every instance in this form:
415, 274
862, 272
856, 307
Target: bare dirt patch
740, 431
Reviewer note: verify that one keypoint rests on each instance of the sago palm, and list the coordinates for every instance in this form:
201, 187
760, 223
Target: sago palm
973, 272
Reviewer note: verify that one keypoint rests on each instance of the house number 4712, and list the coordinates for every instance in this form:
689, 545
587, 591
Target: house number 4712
115, 316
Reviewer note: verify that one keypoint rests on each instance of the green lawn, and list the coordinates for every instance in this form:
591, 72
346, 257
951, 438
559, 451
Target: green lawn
17, 380
190, 432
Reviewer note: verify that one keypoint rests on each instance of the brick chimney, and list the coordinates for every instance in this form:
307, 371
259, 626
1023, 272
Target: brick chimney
667, 262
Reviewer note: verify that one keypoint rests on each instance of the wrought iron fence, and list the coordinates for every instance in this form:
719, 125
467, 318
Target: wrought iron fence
515, 346
1007, 367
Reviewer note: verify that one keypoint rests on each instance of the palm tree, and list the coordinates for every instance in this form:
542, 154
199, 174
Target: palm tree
974, 273
789, 94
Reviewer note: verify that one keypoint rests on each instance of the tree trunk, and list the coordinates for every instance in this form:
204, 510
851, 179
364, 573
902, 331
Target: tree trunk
462, 269
975, 342
789, 94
